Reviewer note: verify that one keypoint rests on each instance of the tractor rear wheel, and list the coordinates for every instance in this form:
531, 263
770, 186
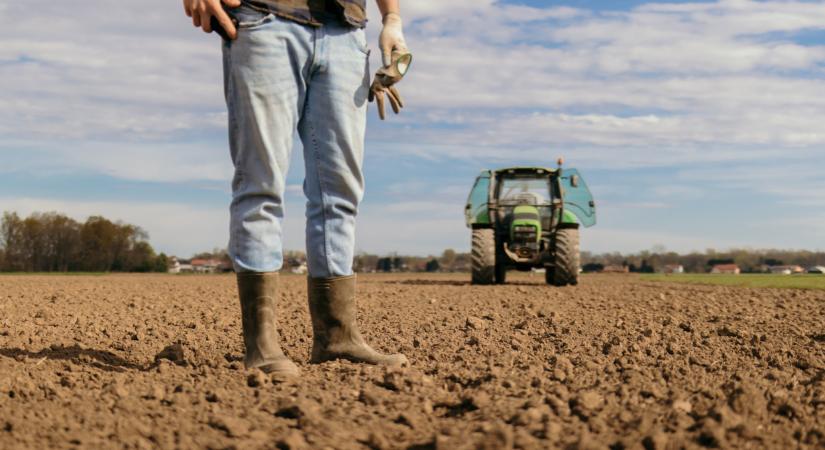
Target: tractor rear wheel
565, 268
484, 256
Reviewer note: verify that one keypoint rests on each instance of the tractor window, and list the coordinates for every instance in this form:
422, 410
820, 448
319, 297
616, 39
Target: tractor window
577, 197
531, 191
476, 210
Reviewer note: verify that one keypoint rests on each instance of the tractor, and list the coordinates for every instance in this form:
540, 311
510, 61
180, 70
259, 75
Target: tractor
524, 218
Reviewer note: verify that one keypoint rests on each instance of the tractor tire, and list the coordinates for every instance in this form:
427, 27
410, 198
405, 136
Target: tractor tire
484, 256
565, 270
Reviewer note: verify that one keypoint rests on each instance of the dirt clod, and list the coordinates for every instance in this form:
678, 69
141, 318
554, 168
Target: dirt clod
174, 353
232, 426
475, 323
256, 379
683, 406
213, 397
588, 403
294, 440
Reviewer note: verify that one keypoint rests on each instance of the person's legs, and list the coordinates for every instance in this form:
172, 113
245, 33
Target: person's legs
332, 129
264, 76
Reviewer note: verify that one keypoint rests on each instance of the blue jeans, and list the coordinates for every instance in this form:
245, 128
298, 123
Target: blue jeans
281, 76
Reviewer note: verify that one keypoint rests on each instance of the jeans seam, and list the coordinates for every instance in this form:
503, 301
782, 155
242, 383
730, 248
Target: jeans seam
230, 104
322, 188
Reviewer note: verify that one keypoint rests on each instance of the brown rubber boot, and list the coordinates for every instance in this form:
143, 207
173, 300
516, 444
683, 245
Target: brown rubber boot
336, 336
258, 292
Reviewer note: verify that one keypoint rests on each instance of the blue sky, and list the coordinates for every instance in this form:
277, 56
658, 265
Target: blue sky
697, 124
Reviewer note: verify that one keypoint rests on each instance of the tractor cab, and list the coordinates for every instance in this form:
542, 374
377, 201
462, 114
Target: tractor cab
525, 208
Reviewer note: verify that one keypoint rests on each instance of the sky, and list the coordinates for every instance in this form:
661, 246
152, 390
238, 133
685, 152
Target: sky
696, 124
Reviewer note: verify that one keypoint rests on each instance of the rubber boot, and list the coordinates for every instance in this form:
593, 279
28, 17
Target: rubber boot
258, 292
336, 336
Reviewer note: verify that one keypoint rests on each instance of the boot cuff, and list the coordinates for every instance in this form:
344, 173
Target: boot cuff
331, 283
256, 275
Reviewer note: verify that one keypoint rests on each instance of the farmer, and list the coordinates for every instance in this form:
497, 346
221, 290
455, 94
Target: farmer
299, 65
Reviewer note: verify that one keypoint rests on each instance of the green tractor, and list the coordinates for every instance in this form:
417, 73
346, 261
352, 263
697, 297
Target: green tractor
528, 217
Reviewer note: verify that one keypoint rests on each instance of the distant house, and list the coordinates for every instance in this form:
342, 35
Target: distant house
174, 265
300, 269
728, 269
817, 269
673, 269
206, 265
616, 269
786, 270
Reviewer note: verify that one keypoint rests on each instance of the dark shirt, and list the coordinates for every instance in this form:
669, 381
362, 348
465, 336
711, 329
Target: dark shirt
317, 12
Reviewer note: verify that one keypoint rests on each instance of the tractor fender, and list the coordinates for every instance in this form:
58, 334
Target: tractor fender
569, 220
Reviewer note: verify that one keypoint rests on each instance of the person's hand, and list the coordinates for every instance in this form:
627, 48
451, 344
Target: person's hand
202, 12
392, 38
396, 58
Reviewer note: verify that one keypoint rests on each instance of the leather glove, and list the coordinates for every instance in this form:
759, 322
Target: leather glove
396, 59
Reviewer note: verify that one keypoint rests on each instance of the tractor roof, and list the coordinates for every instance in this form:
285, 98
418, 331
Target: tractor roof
525, 169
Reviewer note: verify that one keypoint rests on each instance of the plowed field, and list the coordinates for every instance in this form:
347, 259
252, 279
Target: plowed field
156, 361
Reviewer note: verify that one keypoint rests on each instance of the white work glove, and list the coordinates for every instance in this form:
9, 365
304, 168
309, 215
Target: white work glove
392, 38
396, 59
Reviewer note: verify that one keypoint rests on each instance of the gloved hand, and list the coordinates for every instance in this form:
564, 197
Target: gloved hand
396, 59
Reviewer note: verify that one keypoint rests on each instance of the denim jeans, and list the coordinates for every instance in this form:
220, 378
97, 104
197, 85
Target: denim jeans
279, 77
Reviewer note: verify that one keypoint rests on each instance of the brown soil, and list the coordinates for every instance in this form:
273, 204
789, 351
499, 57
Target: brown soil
613, 363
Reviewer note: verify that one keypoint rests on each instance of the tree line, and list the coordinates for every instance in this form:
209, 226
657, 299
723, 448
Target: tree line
748, 260
448, 261
54, 242
649, 261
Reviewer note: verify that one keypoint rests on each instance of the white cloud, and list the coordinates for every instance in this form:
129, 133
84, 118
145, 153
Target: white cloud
659, 75
139, 161
667, 77
105, 70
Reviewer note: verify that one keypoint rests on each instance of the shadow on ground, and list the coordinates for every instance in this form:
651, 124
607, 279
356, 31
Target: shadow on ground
425, 282
99, 359
431, 282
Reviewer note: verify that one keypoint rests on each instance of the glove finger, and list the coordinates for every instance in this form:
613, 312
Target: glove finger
371, 96
386, 56
396, 107
379, 100
397, 96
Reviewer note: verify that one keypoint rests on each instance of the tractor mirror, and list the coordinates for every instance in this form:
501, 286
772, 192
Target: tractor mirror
574, 181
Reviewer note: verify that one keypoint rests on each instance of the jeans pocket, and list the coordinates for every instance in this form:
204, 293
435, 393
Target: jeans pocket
360, 38
249, 17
